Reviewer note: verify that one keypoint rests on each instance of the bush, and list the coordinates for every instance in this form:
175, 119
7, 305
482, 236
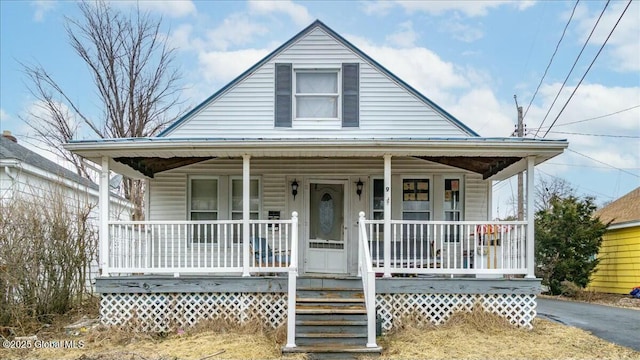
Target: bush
47, 245
568, 238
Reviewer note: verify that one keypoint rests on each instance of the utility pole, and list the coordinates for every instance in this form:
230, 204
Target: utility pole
520, 133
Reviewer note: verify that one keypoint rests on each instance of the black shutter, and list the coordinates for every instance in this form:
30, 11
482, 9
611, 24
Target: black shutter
283, 105
350, 95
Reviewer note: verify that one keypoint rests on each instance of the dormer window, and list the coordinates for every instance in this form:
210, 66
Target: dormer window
331, 95
317, 94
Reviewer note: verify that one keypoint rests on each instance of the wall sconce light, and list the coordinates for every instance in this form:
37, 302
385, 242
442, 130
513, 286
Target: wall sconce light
359, 186
294, 188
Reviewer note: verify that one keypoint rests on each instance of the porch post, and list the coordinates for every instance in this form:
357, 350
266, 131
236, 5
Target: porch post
246, 203
387, 215
530, 219
103, 199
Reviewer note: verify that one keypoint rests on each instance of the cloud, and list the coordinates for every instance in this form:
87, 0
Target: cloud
223, 66
171, 8
236, 29
298, 13
623, 46
41, 8
405, 36
468, 8
377, 7
4, 116
460, 30
593, 101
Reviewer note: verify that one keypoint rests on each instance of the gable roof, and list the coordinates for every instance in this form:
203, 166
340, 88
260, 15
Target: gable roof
315, 25
623, 210
13, 150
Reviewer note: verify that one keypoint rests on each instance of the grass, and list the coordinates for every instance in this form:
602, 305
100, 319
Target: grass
474, 335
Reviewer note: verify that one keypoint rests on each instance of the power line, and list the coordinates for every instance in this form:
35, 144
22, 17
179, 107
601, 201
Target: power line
589, 68
577, 186
551, 60
572, 67
586, 166
597, 117
604, 163
602, 135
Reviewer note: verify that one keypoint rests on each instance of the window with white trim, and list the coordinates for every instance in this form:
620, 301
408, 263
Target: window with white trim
236, 199
316, 94
452, 208
377, 206
416, 199
203, 205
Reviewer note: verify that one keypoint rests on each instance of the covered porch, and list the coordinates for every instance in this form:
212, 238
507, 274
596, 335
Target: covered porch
383, 245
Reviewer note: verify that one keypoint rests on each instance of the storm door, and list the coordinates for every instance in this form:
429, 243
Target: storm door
326, 243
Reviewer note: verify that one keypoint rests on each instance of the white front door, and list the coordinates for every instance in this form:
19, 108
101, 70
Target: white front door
326, 250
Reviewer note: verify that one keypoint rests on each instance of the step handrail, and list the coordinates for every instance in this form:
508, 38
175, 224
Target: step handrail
293, 275
368, 276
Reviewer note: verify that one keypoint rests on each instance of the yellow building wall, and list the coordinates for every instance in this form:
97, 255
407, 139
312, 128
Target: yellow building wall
619, 267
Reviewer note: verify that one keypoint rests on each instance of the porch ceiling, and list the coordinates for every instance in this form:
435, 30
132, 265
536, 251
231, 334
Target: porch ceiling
487, 166
152, 165
494, 158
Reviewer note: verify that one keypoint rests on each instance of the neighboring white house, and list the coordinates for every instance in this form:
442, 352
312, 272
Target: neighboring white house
25, 173
320, 152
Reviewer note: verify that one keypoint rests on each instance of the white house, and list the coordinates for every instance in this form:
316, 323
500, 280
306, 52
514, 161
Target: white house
24, 173
320, 163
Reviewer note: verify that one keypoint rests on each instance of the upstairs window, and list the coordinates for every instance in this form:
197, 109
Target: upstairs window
330, 94
317, 94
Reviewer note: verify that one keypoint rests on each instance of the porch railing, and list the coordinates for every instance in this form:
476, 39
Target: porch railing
448, 247
368, 276
199, 246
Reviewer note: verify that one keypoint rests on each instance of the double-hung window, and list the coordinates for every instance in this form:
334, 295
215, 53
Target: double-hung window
416, 205
203, 205
317, 94
236, 203
236, 199
452, 208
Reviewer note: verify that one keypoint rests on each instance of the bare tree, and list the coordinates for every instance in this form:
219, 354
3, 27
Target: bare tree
550, 189
133, 71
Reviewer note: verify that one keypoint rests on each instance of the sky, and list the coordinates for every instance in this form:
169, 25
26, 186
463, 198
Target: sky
469, 57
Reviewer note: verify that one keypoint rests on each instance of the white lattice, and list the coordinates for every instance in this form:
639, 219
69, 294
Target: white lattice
518, 309
163, 312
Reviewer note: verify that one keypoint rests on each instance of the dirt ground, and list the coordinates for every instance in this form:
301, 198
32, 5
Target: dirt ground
619, 300
475, 335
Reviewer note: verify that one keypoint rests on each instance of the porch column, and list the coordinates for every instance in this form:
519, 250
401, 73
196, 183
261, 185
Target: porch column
530, 219
103, 200
246, 203
387, 215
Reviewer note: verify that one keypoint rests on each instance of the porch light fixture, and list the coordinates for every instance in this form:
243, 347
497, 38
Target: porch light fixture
359, 186
294, 188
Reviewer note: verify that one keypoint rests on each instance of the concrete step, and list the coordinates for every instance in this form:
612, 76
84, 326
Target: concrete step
334, 351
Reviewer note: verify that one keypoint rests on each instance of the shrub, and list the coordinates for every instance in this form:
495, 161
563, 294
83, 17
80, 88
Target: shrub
47, 245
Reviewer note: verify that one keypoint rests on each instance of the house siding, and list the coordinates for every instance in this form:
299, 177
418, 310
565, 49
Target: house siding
169, 189
386, 108
618, 270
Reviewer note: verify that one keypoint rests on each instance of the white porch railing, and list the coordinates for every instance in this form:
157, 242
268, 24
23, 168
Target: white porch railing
449, 247
199, 246
365, 271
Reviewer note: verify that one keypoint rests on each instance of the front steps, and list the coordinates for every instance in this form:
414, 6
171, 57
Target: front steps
331, 319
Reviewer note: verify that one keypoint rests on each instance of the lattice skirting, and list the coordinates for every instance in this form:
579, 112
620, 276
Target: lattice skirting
518, 309
164, 312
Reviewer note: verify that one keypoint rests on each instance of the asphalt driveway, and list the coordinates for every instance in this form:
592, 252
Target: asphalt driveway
616, 325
